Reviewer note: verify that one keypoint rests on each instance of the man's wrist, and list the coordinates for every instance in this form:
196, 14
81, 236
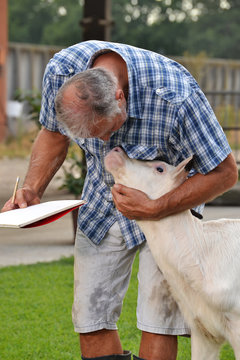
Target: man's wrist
33, 189
161, 207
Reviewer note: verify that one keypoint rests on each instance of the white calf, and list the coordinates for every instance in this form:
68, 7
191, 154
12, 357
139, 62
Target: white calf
200, 260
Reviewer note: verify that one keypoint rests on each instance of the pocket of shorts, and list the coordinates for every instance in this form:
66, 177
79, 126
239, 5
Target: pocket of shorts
82, 241
114, 239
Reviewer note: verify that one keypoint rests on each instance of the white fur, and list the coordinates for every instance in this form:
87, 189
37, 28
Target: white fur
200, 260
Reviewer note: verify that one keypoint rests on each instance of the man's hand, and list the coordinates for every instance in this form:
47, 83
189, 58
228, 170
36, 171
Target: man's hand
24, 197
49, 152
134, 204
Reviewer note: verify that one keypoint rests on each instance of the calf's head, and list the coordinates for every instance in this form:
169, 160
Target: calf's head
155, 178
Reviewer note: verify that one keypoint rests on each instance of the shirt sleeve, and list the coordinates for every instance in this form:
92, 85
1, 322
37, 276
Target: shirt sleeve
197, 132
52, 81
47, 113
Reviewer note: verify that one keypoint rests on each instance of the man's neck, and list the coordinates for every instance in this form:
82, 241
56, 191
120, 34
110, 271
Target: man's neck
114, 63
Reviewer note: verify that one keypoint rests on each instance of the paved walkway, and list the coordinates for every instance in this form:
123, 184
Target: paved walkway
52, 241
45, 243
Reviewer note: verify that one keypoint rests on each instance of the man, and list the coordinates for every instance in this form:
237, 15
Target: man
115, 94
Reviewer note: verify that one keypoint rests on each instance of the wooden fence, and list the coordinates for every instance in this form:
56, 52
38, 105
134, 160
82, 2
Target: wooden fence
226, 105
219, 79
213, 74
25, 66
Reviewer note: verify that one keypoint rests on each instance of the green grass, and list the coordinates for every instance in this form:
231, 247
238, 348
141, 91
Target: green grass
35, 314
17, 147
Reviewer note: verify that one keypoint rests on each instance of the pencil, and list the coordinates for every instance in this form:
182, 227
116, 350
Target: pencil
15, 190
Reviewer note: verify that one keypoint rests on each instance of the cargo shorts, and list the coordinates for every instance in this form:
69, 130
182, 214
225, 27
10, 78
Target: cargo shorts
101, 278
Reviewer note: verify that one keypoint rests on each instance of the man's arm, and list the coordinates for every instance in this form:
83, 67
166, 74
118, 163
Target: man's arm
196, 190
48, 153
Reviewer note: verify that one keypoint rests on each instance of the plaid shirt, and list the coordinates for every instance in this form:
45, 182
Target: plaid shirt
168, 118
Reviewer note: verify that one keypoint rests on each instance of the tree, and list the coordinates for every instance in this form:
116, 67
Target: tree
147, 24
26, 20
167, 26
50, 22
217, 34
176, 26
64, 28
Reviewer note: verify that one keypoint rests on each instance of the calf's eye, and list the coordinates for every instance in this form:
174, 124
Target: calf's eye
159, 169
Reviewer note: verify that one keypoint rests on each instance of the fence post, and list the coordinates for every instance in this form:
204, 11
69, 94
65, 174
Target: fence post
3, 57
97, 21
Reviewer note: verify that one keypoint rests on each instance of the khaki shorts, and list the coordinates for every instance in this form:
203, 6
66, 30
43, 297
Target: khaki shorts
101, 278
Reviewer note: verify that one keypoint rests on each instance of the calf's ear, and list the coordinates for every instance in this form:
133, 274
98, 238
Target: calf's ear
189, 164
182, 170
186, 164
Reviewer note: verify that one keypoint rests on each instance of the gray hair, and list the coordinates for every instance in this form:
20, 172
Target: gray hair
95, 99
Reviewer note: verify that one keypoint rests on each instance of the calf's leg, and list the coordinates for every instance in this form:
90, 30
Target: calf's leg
233, 336
202, 348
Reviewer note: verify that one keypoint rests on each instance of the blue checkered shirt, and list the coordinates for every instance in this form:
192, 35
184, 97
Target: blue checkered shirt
168, 118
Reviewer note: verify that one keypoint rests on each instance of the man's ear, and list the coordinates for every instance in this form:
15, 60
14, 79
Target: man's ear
119, 95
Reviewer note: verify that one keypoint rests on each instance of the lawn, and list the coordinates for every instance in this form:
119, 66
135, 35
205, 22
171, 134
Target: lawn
35, 314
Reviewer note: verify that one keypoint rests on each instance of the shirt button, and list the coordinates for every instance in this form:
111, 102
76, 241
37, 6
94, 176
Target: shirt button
158, 91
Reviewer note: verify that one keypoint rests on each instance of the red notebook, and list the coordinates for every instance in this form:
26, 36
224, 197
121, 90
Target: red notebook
38, 215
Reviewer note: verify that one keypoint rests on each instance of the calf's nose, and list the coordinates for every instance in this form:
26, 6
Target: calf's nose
118, 149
